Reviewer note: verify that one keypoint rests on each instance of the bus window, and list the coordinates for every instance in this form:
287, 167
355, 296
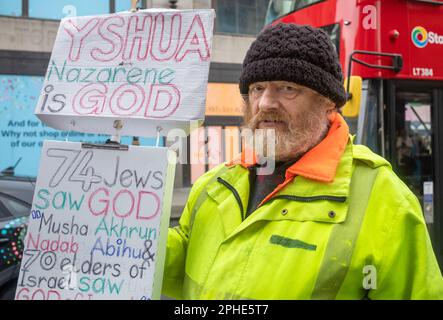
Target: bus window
368, 122
280, 8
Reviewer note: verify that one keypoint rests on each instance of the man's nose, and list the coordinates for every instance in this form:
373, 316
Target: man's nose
268, 100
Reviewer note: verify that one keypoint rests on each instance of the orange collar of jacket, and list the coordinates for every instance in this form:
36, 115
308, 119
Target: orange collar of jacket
321, 162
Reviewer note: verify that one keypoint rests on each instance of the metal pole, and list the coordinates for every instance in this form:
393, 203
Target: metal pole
173, 4
25, 8
112, 6
382, 120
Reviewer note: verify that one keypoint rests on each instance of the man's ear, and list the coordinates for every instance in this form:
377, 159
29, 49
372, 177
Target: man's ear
330, 110
331, 115
331, 107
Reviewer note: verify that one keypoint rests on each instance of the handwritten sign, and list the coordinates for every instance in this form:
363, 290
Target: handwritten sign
98, 224
148, 68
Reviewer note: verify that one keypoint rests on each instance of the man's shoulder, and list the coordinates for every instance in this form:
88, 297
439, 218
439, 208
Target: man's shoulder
391, 203
208, 176
388, 185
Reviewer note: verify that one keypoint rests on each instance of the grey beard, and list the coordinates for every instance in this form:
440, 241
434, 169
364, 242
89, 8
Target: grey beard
293, 146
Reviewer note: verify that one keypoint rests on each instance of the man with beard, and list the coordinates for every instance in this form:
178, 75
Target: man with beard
332, 221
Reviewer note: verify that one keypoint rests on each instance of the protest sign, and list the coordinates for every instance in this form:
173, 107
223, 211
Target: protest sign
148, 69
98, 223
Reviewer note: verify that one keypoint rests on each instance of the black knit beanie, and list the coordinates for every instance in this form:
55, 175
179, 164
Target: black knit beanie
295, 53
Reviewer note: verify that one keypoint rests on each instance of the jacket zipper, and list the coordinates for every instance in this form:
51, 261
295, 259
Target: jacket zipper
234, 192
310, 199
288, 197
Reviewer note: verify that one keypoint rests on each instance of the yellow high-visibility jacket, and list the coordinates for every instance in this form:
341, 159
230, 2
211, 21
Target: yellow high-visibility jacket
363, 235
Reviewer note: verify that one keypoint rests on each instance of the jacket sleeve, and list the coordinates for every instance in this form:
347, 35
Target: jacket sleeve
178, 237
174, 271
409, 268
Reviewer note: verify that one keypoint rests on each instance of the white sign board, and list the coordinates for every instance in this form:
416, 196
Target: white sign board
148, 69
98, 224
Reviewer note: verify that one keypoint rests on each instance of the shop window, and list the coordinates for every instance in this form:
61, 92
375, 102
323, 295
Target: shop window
122, 5
11, 8
211, 146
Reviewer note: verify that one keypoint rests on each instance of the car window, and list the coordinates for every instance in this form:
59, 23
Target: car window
16, 208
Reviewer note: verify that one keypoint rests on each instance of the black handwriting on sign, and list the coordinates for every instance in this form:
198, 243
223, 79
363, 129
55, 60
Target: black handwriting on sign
147, 255
75, 165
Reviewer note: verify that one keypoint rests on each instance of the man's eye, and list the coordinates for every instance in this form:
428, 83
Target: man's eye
288, 89
257, 89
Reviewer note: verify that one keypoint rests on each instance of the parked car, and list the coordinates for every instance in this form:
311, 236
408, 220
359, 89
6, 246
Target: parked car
16, 195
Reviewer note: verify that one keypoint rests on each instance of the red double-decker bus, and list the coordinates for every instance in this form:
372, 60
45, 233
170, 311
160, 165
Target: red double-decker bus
396, 47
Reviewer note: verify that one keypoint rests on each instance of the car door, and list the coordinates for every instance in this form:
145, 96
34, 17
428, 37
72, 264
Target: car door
13, 222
